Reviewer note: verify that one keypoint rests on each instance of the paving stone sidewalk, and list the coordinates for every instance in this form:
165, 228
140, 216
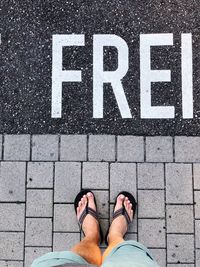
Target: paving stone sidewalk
41, 174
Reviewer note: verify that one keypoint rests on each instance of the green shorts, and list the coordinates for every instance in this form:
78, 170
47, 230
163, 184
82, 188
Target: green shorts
126, 254
130, 254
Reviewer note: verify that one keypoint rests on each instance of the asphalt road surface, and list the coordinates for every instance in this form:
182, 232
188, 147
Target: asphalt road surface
99, 79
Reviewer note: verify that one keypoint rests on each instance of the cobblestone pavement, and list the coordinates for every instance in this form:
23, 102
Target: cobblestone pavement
41, 174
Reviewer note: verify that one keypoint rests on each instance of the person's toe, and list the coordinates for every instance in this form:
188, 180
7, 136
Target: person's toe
91, 202
120, 200
78, 210
131, 212
126, 204
81, 206
129, 209
84, 200
130, 206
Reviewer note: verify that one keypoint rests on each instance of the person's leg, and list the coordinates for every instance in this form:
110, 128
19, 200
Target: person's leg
88, 248
118, 226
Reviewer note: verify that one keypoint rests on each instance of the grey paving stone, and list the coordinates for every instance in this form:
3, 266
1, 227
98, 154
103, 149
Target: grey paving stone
102, 250
122, 178
11, 246
39, 203
196, 171
65, 218
11, 264
102, 198
130, 148
67, 181
95, 175
178, 251
159, 255
159, 149
40, 175
197, 257
132, 228
197, 204
131, 236
101, 148
1, 147
179, 176
12, 181
65, 241
16, 147
151, 204
73, 147
32, 253
150, 175
38, 232
45, 147
151, 232
12, 217
104, 226
180, 219
197, 233
187, 149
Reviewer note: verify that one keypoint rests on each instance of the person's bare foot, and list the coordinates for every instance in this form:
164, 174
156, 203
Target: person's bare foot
90, 225
119, 225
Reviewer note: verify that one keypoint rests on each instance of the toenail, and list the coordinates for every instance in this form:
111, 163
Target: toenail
89, 194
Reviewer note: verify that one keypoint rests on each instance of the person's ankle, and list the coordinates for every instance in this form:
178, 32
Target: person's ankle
93, 237
114, 236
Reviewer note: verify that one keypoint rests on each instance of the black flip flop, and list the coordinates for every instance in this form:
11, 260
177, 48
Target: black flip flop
122, 211
86, 211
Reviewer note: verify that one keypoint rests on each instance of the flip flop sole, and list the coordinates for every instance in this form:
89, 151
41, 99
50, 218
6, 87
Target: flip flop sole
76, 202
132, 201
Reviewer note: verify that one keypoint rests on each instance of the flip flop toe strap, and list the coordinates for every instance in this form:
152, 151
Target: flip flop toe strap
85, 212
93, 213
127, 217
123, 212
